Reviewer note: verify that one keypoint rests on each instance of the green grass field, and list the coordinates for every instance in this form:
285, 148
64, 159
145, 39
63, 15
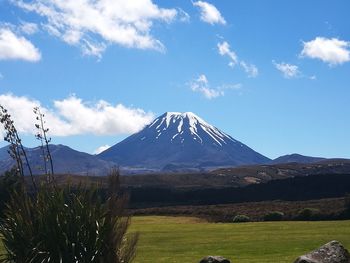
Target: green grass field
179, 239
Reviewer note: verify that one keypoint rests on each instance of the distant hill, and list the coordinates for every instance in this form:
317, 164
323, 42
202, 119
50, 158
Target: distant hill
6, 162
65, 160
227, 177
181, 142
296, 158
256, 174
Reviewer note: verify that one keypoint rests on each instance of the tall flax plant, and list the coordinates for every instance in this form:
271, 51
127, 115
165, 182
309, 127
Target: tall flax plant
67, 224
41, 135
16, 148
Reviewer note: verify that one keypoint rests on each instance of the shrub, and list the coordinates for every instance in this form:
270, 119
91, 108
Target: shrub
274, 216
9, 182
309, 214
241, 219
67, 225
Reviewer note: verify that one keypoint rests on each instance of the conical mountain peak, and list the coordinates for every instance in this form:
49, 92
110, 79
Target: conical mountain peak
181, 139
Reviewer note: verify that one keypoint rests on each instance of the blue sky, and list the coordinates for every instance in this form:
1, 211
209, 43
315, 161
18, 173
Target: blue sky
272, 74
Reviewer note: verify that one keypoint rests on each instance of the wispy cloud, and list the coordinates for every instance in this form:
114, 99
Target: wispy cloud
313, 77
224, 49
288, 70
183, 16
201, 85
250, 69
73, 116
93, 25
330, 50
16, 47
101, 149
209, 13
28, 28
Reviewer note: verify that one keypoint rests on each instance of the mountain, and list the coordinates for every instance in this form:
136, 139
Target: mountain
65, 160
6, 162
177, 141
296, 158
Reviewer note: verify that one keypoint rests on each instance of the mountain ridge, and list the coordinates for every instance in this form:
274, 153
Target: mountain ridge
65, 160
296, 158
173, 142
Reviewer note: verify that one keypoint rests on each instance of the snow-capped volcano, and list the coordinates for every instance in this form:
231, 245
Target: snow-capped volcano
190, 126
181, 140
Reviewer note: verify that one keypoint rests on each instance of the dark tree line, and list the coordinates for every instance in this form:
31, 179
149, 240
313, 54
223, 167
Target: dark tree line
291, 189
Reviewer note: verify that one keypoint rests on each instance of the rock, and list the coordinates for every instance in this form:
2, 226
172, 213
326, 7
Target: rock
214, 259
332, 252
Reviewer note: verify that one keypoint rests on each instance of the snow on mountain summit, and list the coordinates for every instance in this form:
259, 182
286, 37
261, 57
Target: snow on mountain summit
181, 140
187, 124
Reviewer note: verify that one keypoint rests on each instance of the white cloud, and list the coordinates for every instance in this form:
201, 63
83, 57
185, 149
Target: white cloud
93, 49
29, 28
73, 116
332, 51
101, 149
92, 25
288, 70
1, 76
14, 47
201, 85
250, 69
209, 13
183, 16
225, 50
313, 77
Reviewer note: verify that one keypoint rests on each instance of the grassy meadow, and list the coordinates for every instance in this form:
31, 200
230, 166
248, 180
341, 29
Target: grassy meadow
184, 239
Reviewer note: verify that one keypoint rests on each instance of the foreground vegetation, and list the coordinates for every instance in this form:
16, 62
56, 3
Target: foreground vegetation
183, 239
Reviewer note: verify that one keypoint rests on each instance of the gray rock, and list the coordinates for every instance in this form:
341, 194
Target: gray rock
214, 259
332, 252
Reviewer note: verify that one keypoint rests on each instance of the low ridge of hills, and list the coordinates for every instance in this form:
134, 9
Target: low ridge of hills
69, 161
224, 177
65, 160
296, 158
185, 144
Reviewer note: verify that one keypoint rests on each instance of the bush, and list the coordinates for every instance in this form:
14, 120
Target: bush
9, 182
67, 225
308, 214
241, 219
274, 216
